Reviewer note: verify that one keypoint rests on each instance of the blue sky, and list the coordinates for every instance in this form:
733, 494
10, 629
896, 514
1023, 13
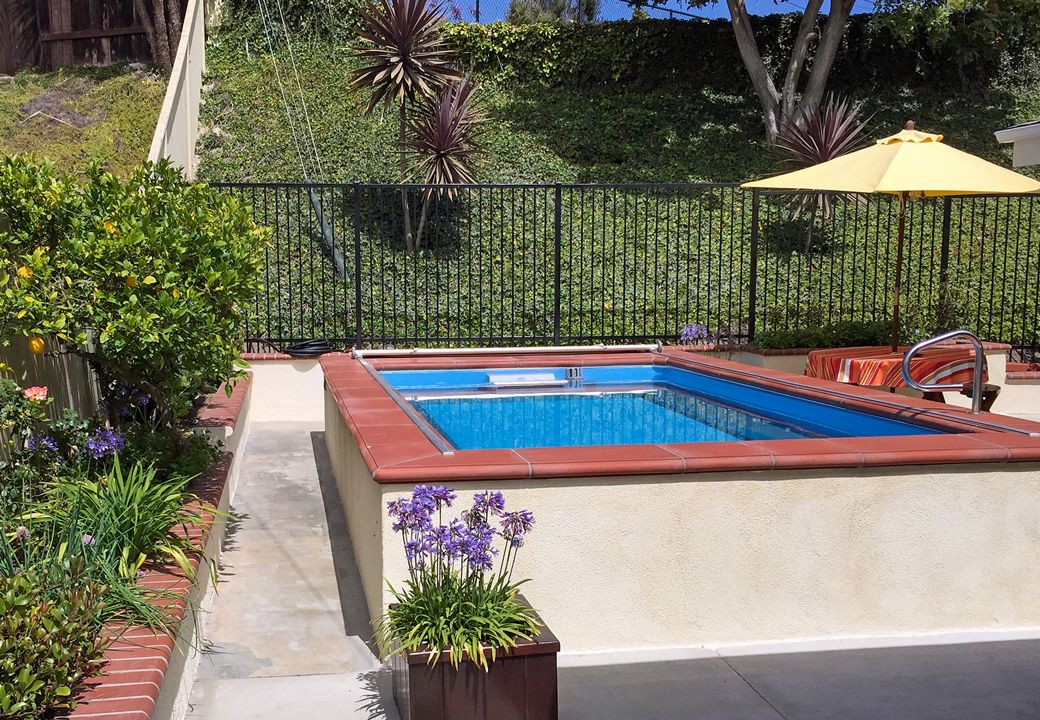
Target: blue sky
617, 9
718, 9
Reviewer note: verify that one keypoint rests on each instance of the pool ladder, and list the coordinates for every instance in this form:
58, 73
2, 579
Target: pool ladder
976, 380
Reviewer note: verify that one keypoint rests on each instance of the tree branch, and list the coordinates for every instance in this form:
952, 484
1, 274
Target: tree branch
799, 52
828, 48
760, 78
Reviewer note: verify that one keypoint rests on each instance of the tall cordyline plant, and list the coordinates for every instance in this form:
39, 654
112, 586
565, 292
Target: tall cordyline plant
457, 598
444, 143
406, 60
813, 135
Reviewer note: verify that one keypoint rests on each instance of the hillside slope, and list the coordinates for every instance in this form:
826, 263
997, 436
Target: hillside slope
673, 118
76, 114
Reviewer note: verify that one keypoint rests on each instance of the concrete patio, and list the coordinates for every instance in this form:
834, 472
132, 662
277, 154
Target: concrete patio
287, 636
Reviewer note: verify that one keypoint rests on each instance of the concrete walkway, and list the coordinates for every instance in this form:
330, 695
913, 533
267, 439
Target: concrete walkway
287, 636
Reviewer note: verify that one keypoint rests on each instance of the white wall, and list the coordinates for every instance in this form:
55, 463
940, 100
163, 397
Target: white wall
178, 127
631, 563
287, 391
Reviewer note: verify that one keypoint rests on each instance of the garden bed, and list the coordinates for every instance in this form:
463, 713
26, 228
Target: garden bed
147, 672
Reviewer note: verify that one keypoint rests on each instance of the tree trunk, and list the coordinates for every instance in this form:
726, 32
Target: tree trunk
778, 105
799, 52
409, 242
768, 97
174, 26
823, 60
155, 30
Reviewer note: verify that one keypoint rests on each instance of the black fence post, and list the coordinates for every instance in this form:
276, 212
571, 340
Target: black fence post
558, 270
753, 279
477, 11
358, 341
944, 252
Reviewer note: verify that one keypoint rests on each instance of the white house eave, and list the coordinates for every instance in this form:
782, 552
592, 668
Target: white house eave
1028, 131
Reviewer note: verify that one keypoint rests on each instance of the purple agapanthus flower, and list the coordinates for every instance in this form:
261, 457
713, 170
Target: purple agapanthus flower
42, 443
434, 496
413, 550
694, 332
489, 503
517, 524
88, 540
105, 443
21, 533
477, 547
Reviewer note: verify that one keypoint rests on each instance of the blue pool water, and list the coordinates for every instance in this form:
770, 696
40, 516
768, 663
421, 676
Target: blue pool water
619, 405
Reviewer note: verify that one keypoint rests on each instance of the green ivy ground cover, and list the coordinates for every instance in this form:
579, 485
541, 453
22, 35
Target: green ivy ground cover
621, 102
78, 114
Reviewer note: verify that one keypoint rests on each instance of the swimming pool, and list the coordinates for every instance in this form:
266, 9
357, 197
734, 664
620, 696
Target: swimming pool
489, 408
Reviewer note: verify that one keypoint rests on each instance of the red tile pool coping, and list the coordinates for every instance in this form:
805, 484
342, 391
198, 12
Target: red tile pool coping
397, 451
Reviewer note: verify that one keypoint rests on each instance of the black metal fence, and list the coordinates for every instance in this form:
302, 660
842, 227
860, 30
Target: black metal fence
547, 264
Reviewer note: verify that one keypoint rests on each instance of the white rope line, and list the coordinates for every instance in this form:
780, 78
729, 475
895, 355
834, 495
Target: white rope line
264, 12
303, 98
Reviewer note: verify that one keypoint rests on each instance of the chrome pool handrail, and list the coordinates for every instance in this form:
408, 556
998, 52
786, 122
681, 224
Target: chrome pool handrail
976, 381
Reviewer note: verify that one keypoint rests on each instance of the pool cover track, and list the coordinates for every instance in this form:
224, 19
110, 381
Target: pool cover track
397, 445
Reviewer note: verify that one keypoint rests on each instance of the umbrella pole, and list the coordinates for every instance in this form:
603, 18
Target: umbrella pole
899, 272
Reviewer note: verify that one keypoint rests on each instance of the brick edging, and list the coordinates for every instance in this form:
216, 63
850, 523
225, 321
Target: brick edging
221, 410
135, 662
1028, 375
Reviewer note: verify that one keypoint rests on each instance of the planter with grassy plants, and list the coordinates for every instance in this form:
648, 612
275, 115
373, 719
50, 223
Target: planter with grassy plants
462, 641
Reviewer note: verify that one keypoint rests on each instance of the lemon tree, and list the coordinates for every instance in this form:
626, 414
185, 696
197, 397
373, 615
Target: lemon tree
147, 278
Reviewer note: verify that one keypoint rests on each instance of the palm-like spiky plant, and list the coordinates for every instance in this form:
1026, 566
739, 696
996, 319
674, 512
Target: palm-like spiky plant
406, 60
819, 134
406, 55
445, 136
444, 143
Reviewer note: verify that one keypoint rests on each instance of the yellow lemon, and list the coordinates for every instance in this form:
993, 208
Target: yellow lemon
175, 292
24, 272
131, 282
36, 345
110, 226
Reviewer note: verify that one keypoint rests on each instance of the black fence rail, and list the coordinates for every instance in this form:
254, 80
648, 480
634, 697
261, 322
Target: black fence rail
562, 264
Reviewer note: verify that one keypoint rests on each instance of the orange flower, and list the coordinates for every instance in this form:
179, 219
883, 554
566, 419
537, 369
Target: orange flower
131, 282
110, 226
36, 393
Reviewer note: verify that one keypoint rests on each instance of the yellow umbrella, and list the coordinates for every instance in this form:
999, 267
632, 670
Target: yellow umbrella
908, 164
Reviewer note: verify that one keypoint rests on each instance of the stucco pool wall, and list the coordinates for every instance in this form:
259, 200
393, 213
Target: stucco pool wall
637, 561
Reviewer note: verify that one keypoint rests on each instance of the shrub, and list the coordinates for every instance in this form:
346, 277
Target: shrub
123, 518
49, 638
454, 599
148, 279
848, 333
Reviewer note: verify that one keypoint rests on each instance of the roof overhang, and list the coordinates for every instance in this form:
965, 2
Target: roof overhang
1026, 139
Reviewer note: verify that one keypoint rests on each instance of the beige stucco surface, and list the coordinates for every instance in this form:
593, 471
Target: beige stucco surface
362, 503
679, 561
287, 391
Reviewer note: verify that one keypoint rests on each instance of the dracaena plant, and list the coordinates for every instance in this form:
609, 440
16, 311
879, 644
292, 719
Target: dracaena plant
444, 143
817, 134
405, 60
460, 596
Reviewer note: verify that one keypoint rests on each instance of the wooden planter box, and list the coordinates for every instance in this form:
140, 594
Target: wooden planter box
521, 684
